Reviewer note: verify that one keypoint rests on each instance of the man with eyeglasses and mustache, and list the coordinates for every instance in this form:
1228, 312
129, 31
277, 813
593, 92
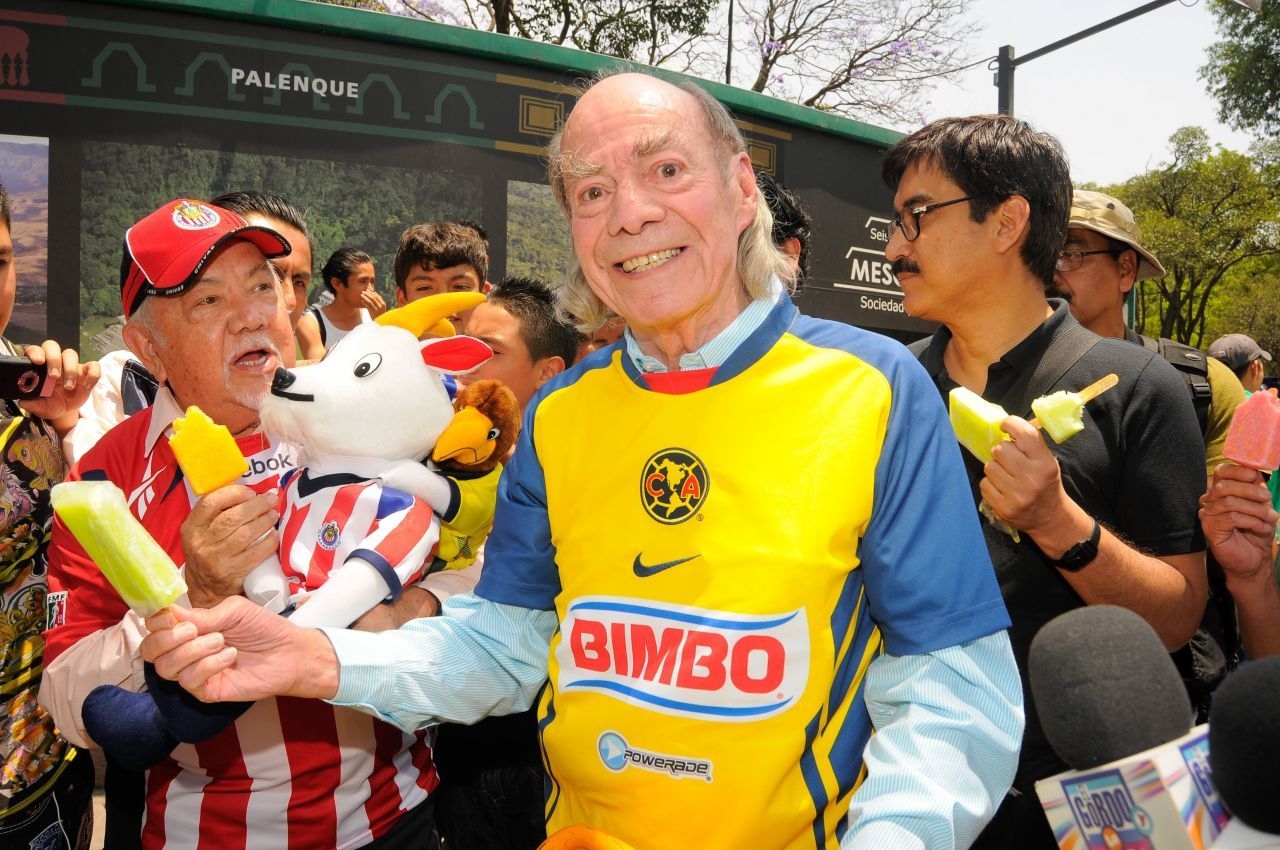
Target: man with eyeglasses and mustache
1109, 516
205, 314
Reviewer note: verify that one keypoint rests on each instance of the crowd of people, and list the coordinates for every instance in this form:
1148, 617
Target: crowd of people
723, 521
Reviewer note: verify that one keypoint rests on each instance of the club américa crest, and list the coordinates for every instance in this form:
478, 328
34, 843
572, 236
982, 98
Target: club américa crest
673, 486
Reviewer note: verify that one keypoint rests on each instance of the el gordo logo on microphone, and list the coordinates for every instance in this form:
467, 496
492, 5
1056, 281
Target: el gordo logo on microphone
682, 660
1106, 813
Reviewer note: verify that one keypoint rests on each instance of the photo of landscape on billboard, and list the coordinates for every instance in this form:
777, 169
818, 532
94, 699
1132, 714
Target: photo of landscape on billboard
345, 205
24, 171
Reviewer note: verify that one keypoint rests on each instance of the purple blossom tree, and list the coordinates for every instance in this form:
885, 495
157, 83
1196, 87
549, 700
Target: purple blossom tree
874, 60
868, 59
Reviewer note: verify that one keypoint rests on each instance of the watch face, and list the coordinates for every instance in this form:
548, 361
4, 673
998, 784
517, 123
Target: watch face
1083, 553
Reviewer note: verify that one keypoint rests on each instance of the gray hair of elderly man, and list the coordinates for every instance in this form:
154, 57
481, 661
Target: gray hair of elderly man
759, 260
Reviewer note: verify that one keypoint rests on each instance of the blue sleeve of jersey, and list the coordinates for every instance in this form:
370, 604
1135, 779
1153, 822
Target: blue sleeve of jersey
519, 561
930, 583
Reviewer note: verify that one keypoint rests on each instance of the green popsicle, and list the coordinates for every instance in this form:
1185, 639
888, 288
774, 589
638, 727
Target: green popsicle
138, 568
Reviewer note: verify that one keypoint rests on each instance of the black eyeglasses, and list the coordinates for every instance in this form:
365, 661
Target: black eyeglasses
908, 218
1070, 259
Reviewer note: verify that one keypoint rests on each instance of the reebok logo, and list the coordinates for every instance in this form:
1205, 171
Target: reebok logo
643, 570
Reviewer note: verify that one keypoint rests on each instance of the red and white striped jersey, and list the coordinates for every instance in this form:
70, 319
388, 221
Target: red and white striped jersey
324, 520
289, 773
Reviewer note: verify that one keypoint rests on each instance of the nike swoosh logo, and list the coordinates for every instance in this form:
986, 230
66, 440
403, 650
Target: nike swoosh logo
644, 571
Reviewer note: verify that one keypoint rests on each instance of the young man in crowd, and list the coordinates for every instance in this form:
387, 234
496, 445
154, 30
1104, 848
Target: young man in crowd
349, 275
441, 257
1244, 357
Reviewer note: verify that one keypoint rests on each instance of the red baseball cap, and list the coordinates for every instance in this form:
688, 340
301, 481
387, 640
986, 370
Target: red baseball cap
165, 252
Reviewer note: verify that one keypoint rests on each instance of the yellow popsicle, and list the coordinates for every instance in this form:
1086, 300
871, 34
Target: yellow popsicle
1061, 414
976, 422
206, 451
138, 568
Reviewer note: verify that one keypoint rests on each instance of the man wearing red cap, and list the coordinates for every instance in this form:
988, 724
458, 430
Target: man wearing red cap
205, 315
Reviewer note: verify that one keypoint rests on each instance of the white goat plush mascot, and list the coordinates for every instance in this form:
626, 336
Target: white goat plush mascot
369, 412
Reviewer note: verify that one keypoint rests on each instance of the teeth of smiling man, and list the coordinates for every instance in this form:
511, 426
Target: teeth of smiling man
648, 261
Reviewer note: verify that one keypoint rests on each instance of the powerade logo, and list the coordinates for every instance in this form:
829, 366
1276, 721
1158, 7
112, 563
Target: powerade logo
1106, 814
673, 485
617, 755
684, 661
1196, 754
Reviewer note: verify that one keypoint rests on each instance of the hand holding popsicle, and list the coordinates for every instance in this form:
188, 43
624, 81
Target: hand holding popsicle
222, 526
138, 568
977, 421
978, 424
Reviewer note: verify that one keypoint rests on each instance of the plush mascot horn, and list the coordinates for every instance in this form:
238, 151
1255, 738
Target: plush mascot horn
429, 316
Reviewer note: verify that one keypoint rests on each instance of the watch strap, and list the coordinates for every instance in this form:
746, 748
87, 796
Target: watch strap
1083, 553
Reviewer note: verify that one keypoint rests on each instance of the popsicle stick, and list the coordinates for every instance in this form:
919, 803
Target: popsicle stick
1089, 393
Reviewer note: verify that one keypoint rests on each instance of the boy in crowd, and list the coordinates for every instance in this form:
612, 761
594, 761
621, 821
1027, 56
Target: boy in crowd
441, 257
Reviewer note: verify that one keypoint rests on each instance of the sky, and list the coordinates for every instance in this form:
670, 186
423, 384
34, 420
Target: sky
1114, 98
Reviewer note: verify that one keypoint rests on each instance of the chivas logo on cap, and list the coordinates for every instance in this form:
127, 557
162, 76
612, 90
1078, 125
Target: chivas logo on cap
193, 215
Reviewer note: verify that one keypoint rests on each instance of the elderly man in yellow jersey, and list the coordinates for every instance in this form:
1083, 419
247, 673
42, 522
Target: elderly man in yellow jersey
768, 550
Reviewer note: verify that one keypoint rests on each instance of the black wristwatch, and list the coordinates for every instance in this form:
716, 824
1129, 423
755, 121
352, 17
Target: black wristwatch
1082, 554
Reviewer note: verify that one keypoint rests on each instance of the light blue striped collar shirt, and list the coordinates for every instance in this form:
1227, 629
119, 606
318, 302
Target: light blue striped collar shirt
716, 351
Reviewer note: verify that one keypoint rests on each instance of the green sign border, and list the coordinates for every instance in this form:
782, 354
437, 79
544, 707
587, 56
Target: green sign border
376, 26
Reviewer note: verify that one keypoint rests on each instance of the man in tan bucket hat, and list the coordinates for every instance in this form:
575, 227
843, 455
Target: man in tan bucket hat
1100, 262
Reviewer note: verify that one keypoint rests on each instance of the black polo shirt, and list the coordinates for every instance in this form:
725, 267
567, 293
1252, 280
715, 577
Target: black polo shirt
1138, 468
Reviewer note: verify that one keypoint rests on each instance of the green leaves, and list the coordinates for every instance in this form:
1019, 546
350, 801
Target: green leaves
1243, 71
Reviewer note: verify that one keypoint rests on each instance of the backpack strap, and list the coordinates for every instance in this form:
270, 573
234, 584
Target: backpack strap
1193, 366
1065, 350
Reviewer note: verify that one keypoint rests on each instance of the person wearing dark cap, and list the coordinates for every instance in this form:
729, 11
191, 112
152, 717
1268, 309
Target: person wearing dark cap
205, 314
46, 783
1244, 357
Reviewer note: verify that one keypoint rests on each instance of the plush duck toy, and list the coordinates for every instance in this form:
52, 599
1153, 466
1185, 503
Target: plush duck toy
362, 516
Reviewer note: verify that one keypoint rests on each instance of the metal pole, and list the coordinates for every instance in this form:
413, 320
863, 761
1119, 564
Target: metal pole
728, 59
1005, 66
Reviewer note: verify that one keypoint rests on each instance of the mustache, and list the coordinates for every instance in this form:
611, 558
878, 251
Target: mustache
1054, 291
254, 341
902, 264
